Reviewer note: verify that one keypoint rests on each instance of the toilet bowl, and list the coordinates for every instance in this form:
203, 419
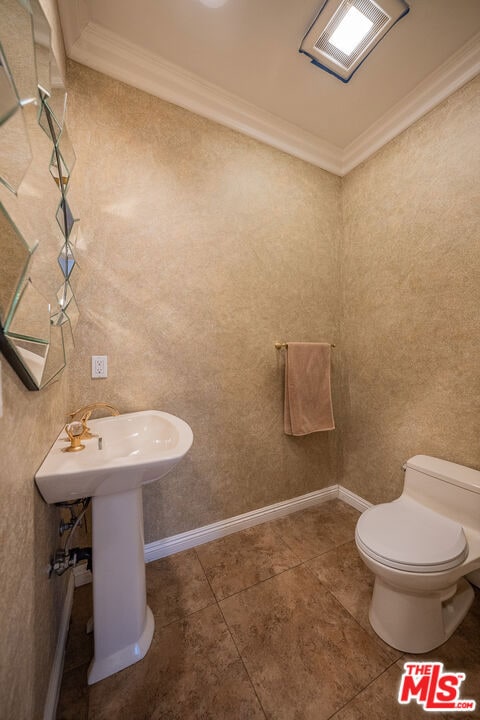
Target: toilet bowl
424, 550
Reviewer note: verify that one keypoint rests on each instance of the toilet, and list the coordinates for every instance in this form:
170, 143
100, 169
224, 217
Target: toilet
424, 550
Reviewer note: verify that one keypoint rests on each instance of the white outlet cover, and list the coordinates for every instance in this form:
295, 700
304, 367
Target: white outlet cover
99, 366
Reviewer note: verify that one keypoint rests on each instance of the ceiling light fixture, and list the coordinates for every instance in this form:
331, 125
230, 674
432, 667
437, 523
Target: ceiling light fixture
213, 3
344, 33
351, 31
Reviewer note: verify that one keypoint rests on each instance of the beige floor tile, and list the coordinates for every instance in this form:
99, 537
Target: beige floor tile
379, 701
177, 587
191, 672
238, 561
304, 652
342, 571
314, 531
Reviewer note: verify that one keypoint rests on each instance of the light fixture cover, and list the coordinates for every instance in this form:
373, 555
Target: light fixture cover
344, 32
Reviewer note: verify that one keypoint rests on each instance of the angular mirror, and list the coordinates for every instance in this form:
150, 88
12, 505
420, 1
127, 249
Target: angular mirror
68, 341
57, 102
8, 96
36, 328
48, 121
72, 282
42, 45
14, 165
59, 170
13, 130
28, 358
42, 363
26, 335
64, 296
65, 220
16, 37
35, 339
56, 360
48, 75
73, 314
15, 254
66, 260
62, 161
31, 317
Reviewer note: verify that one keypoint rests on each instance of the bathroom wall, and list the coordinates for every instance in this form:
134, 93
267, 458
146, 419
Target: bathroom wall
30, 602
411, 299
200, 248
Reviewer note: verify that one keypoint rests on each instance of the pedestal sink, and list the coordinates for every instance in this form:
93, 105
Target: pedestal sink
127, 452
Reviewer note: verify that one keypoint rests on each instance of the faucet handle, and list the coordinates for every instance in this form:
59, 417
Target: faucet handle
86, 432
75, 431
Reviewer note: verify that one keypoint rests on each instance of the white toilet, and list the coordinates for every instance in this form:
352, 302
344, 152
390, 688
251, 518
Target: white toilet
420, 548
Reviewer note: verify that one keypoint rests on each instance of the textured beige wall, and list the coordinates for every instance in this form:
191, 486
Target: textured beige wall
30, 603
201, 247
411, 300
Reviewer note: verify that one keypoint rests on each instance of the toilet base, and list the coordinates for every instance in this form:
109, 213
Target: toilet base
417, 623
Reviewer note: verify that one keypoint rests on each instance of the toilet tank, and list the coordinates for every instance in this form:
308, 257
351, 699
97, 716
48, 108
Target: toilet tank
450, 489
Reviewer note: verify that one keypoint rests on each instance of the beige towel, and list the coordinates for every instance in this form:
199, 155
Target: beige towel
308, 396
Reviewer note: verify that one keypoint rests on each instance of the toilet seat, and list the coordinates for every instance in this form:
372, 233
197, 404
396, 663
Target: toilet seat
406, 535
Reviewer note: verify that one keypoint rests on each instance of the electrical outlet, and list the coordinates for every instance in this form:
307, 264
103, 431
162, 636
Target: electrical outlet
99, 366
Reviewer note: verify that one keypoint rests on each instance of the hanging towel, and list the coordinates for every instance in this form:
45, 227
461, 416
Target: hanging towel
308, 396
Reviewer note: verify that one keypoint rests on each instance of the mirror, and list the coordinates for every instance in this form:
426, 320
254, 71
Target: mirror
8, 96
15, 255
62, 161
38, 274
13, 166
16, 38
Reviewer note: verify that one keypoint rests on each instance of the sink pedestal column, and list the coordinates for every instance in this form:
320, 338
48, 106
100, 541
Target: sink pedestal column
123, 623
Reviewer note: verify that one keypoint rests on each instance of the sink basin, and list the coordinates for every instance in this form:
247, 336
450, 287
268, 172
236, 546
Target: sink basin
137, 448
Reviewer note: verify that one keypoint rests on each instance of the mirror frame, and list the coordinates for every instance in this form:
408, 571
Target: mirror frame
50, 94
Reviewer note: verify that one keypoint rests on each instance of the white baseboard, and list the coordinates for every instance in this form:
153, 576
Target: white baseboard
198, 536
352, 499
55, 682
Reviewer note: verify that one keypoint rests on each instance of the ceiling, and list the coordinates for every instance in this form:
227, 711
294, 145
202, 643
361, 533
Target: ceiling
239, 64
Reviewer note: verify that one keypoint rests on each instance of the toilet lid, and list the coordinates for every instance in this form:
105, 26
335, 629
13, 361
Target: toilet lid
408, 536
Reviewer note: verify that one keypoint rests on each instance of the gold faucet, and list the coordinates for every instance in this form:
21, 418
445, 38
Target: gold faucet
84, 431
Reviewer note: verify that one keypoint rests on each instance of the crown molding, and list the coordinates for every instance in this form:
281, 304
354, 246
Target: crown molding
461, 67
102, 50
105, 51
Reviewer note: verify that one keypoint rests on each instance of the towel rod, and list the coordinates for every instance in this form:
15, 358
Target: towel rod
284, 346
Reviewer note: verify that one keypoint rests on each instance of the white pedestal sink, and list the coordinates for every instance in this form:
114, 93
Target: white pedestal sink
135, 449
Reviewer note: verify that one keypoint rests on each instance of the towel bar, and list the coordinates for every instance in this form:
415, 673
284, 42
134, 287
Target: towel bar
284, 346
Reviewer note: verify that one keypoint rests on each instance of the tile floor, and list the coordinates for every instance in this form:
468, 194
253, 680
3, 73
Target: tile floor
271, 622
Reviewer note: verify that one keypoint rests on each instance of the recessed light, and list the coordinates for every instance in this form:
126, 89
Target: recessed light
344, 33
